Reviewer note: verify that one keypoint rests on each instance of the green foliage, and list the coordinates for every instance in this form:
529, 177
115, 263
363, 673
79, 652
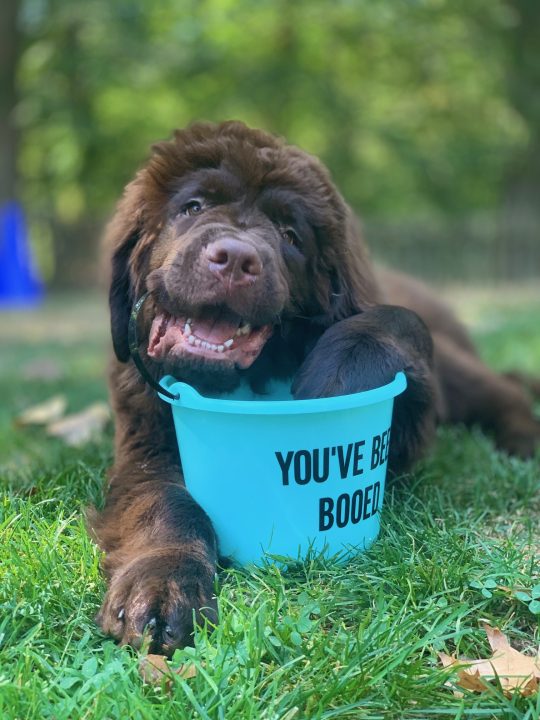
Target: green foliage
405, 101
531, 598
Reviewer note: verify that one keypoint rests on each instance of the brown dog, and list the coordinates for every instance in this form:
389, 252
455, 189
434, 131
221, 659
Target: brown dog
257, 271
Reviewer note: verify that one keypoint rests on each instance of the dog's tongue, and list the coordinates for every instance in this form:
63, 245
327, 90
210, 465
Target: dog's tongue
215, 330
219, 336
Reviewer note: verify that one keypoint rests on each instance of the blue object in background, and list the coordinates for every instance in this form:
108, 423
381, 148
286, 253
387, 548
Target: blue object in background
19, 282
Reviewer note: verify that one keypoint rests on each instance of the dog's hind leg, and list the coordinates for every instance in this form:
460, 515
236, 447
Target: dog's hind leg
529, 383
475, 395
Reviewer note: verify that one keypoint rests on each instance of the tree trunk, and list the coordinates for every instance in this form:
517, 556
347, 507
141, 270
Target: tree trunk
9, 55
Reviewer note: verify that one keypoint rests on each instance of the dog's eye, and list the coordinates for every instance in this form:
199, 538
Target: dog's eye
193, 207
290, 236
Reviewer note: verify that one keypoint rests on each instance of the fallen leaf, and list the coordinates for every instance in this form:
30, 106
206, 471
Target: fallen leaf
155, 669
511, 668
81, 427
469, 679
43, 413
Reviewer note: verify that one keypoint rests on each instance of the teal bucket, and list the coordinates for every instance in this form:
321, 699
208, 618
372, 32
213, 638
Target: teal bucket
284, 477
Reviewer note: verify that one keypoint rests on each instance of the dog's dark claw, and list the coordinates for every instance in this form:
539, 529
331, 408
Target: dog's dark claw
151, 624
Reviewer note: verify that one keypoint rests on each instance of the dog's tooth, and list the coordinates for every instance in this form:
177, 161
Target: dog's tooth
228, 343
220, 348
205, 345
189, 321
198, 341
214, 347
191, 339
187, 328
244, 329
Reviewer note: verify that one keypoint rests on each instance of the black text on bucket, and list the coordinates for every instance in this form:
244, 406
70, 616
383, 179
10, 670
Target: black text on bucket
301, 467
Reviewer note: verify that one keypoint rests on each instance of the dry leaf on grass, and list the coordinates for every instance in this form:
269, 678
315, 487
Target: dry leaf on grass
81, 427
155, 669
507, 666
43, 413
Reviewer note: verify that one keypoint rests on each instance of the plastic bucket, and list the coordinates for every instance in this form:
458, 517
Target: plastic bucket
284, 476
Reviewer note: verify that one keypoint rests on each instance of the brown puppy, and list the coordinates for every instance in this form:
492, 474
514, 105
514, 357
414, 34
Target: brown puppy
257, 271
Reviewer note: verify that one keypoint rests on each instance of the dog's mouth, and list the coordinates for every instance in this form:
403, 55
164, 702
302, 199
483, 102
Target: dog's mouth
215, 334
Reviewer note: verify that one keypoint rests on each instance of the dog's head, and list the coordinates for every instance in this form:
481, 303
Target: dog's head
245, 244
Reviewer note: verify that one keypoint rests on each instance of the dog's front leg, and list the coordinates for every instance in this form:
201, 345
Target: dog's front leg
366, 351
161, 554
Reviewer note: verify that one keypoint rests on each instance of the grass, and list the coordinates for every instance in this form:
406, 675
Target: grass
323, 640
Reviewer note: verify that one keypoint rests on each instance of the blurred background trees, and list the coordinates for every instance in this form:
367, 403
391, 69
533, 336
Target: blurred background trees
427, 113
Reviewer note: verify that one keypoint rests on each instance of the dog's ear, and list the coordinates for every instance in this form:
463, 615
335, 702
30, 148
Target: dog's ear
350, 284
121, 236
121, 295
343, 302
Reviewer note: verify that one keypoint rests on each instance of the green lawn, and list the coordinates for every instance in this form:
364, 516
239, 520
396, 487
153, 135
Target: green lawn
321, 641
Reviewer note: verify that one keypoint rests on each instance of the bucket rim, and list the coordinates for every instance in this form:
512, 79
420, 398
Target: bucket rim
191, 399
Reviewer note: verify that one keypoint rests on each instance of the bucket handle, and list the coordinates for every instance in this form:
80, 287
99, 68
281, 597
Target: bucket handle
133, 341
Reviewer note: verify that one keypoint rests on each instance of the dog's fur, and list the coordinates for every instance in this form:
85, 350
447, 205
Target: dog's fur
227, 222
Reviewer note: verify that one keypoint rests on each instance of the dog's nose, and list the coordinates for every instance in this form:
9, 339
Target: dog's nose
234, 261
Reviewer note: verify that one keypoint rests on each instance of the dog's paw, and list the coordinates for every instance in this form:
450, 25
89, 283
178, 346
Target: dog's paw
521, 439
159, 596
